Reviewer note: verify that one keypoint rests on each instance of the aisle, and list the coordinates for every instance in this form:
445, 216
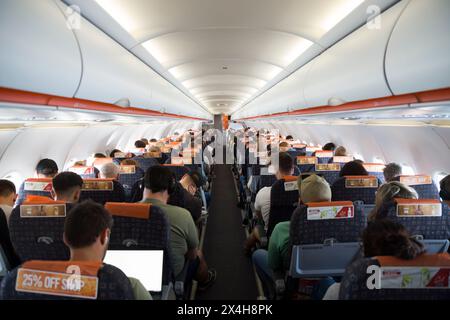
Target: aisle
223, 243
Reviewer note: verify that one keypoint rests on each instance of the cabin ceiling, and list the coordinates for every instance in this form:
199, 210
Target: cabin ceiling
223, 53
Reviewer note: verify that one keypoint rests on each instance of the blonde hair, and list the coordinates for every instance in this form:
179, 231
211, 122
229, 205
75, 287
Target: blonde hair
340, 152
387, 192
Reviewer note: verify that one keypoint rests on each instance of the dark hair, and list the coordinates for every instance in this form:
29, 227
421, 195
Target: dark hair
113, 152
385, 237
99, 155
158, 179
6, 188
64, 182
197, 178
47, 167
139, 144
85, 222
445, 188
153, 140
330, 146
144, 140
286, 163
353, 168
289, 137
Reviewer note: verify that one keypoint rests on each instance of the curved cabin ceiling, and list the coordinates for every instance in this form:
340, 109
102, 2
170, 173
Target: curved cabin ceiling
224, 53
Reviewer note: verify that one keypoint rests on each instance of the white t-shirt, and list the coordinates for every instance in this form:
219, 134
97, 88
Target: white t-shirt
262, 204
7, 210
332, 292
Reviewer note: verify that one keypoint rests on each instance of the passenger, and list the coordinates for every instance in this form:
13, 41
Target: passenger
67, 187
391, 171
87, 231
113, 152
386, 194
8, 197
330, 146
262, 200
158, 184
275, 259
144, 140
353, 168
284, 147
380, 238
46, 168
109, 171
340, 152
139, 144
289, 138
445, 190
191, 183
153, 140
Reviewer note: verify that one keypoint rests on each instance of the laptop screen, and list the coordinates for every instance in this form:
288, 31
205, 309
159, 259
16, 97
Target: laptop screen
144, 265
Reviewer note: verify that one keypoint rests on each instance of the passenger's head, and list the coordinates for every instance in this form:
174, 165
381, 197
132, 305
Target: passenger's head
87, 230
109, 171
445, 189
192, 181
67, 187
330, 146
284, 146
314, 189
285, 165
353, 168
46, 168
155, 149
391, 170
386, 194
158, 183
153, 140
340, 152
99, 155
7, 192
385, 237
138, 144
144, 140
113, 152
289, 138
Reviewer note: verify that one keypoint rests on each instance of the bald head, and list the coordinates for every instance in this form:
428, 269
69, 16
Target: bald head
109, 171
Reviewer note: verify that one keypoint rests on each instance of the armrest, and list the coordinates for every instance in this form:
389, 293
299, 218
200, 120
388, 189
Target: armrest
280, 284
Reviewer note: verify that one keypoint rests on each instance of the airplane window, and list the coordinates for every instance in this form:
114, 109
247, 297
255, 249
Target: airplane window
437, 177
408, 170
15, 178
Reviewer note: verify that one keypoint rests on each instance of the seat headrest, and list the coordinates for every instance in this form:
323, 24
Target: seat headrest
77, 279
298, 145
330, 210
373, 167
101, 161
82, 169
42, 207
361, 182
306, 160
412, 180
131, 210
38, 184
127, 169
181, 160
342, 159
152, 154
327, 167
98, 185
423, 272
408, 208
324, 154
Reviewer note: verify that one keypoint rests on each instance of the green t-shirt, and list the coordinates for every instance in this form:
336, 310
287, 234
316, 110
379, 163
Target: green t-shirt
279, 246
183, 232
140, 293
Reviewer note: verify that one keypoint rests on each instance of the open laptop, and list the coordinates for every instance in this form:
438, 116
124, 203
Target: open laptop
144, 265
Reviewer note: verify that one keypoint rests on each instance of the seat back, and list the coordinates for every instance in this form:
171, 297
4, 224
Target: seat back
355, 188
145, 163
179, 170
321, 260
306, 163
95, 281
34, 187
265, 180
390, 278
315, 223
8, 254
323, 156
329, 171
128, 176
84, 172
375, 169
36, 230
4, 263
424, 217
283, 201
423, 184
102, 191
139, 226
